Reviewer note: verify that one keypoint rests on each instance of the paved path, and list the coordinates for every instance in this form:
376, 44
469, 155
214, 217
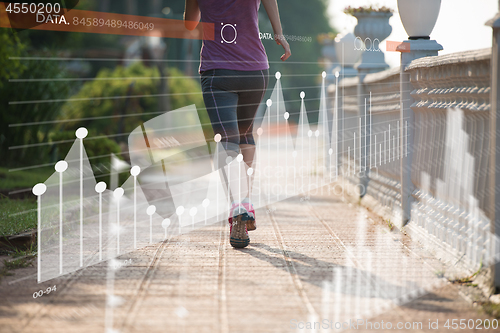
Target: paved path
312, 259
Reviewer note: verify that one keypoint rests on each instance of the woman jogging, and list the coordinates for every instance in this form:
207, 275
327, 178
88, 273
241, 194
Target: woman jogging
234, 75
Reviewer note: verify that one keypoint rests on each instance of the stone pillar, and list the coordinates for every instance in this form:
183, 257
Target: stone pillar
494, 205
372, 28
417, 49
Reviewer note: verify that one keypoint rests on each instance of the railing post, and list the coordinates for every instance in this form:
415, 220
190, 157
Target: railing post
418, 48
494, 206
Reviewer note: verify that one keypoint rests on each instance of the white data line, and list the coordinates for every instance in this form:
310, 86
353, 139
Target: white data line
151, 229
269, 148
316, 161
389, 142
39, 238
393, 148
117, 226
135, 212
348, 161
100, 226
60, 223
371, 134
286, 158
406, 137
385, 147
380, 157
365, 135
336, 127
278, 126
354, 154
81, 202
360, 144
398, 134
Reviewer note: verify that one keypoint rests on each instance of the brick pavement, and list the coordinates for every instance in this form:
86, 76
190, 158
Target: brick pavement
312, 259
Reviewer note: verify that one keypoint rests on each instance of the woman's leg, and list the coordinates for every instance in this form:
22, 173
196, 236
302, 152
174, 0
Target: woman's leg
248, 104
221, 104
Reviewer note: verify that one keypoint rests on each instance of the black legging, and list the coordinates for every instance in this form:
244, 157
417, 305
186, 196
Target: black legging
232, 98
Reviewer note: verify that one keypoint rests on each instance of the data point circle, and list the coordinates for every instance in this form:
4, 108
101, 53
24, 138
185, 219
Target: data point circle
118, 192
61, 166
81, 133
100, 187
39, 189
193, 211
151, 210
165, 223
135, 170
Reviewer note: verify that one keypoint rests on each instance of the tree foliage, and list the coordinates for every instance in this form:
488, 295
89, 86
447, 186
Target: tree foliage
10, 48
17, 109
119, 100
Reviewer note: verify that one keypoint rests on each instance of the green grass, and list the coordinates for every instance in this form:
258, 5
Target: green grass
492, 309
17, 261
23, 179
25, 217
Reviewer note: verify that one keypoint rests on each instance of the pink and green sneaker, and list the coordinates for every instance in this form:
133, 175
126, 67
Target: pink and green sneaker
251, 225
238, 226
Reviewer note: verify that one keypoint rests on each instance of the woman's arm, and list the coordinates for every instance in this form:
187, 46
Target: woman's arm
271, 7
192, 14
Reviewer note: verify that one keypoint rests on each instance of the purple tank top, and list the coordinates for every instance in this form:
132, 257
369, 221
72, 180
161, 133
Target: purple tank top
236, 44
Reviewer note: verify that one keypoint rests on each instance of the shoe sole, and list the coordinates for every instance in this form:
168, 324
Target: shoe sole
239, 237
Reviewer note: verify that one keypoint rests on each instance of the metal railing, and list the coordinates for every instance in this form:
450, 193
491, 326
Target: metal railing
450, 148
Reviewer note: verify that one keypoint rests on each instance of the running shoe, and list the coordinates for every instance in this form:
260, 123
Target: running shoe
238, 229
251, 225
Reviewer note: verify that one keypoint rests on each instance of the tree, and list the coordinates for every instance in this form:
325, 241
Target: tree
33, 114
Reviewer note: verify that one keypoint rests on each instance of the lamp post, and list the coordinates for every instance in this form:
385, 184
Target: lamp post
418, 18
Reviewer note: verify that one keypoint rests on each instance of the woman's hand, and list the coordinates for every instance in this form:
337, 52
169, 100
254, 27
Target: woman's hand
271, 7
281, 40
